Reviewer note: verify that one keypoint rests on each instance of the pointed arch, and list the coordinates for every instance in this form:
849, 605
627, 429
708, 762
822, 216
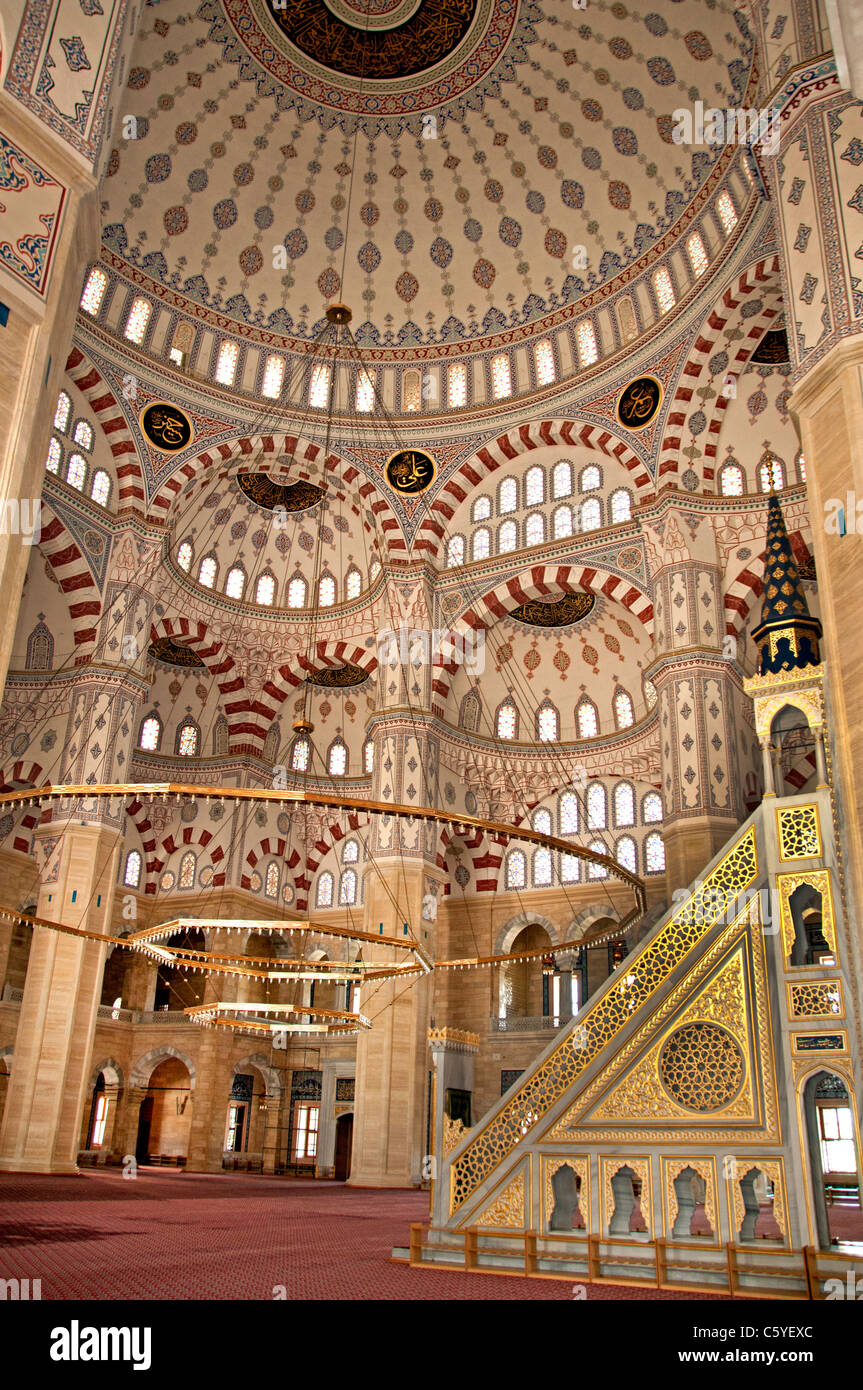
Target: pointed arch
131, 492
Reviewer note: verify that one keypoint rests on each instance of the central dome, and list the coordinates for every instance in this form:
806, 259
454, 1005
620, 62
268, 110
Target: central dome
393, 38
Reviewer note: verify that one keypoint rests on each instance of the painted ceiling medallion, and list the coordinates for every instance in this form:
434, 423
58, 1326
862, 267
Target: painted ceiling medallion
338, 677
410, 470
772, 348
173, 653
338, 37
166, 426
265, 492
638, 402
559, 613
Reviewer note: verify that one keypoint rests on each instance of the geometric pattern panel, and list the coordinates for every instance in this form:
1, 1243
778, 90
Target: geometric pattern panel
799, 833
507, 1208
816, 999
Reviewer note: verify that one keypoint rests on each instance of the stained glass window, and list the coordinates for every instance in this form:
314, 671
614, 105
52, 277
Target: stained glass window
76, 472
664, 290
187, 870
541, 820
187, 742
727, 211
651, 808
621, 506
534, 487
319, 386
562, 522
585, 337
506, 720
274, 375
94, 290
265, 591
411, 397
544, 359
235, 582
597, 870
481, 543
801, 465
151, 734
649, 692
501, 376
83, 435
586, 718
625, 853
623, 712
325, 890
771, 473
570, 869
132, 876
456, 385
507, 498
61, 414
591, 514
568, 813
731, 480
327, 591
350, 852
185, 555
271, 882
562, 480
55, 453
516, 869
654, 853
542, 867
207, 572
374, 568
101, 488
353, 583
369, 756
597, 814
455, 552
697, 254
624, 804
337, 759
534, 529
507, 537
591, 478
297, 592
139, 317
226, 366
348, 894
481, 510
365, 398
300, 755
547, 723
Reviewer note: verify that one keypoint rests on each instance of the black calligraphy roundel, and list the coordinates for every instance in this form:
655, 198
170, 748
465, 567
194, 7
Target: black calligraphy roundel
638, 402
410, 470
166, 427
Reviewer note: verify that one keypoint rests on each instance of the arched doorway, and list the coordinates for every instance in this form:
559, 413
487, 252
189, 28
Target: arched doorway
100, 1112
526, 991
344, 1143
834, 1159
794, 743
165, 1117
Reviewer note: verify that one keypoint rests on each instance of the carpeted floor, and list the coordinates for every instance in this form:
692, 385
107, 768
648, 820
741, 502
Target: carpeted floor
190, 1236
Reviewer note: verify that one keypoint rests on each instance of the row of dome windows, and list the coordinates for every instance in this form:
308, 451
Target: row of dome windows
187, 744
76, 470
543, 873
507, 721
414, 390
266, 587
771, 476
594, 809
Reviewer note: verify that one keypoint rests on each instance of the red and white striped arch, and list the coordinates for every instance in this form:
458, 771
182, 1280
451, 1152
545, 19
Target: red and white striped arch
15, 778
342, 478
239, 711
75, 578
292, 674
500, 452
115, 427
760, 278
187, 839
746, 588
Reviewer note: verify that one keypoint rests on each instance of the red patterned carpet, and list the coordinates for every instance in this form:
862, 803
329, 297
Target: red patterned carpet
192, 1236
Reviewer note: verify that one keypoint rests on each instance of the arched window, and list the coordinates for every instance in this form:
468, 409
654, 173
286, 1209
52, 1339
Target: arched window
727, 211
187, 739
326, 591
501, 376
534, 487
534, 529
353, 583
55, 454
542, 867
208, 570
697, 254
801, 466
570, 869
411, 394
649, 692
188, 864
300, 754
220, 737
94, 288
274, 375
348, 893
543, 356
185, 556
454, 552
235, 582
40, 647
456, 385
664, 290
586, 719
506, 720
624, 804
621, 506
731, 482
324, 895
547, 723
541, 820
516, 869
61, 414
626, 854
136, 323
337, 758
481, 544
350, 852
132, 873
568, 813
83, 435
76, 472
651, 808
597, 812
365, 396
771, 474
481, 509
100, 489
561, 480
151, 734
369, 757
591, 514
297, 592
265, 590
226, 363
562, 522
654, 853
590, 478
507, 537
597, 870
271, 882
469, 713
624, 714
507, 496
585, 337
